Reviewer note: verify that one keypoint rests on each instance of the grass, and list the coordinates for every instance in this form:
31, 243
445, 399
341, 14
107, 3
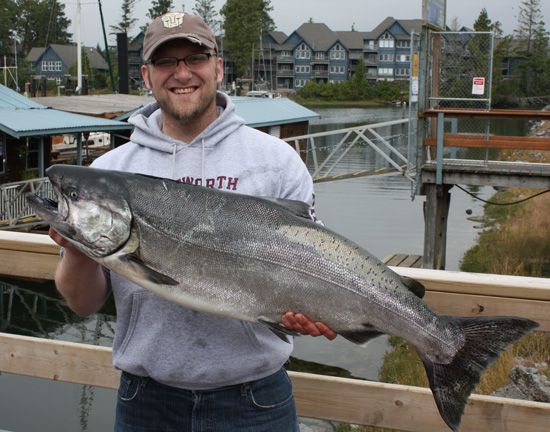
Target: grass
517, 241
318, 103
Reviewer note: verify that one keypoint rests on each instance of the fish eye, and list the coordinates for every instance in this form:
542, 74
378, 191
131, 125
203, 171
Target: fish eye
73, 194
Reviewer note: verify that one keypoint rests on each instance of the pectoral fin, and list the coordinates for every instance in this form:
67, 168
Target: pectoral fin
139, 268
361, 337
280, 330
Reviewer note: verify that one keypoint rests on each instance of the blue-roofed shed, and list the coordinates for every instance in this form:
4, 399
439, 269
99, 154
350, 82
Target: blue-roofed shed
26, 128
281, 117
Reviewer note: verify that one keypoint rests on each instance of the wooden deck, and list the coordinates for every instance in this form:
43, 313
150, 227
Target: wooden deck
403, 260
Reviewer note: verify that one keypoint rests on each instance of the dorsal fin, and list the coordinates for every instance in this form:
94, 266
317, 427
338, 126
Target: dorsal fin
414, 286
298, 208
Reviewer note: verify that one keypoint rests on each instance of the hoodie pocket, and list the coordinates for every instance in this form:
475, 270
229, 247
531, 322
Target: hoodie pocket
136, 306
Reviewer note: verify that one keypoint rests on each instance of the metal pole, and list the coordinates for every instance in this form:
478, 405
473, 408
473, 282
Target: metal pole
107, 55
78, 50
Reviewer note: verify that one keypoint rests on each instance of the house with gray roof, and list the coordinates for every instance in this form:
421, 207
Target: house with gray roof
315, 52
55, 61
389, 47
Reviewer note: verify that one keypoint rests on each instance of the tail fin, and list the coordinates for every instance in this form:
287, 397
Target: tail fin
486, 337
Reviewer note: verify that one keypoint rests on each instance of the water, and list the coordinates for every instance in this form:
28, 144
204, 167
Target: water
375, 212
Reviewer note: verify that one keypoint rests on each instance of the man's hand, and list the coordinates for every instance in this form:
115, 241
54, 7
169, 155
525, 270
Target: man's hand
56, 237
300, 323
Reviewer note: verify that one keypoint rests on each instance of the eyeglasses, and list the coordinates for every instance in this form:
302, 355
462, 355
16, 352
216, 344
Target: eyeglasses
192, 61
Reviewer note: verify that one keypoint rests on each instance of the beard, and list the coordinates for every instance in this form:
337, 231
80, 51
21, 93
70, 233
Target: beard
187, 114
193, 113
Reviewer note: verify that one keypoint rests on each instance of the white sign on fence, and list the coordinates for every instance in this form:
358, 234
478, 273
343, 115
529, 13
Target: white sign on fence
478, 86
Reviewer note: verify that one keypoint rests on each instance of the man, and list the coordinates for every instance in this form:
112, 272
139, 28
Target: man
183, 370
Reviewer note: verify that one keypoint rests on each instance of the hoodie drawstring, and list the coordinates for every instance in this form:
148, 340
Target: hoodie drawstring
202, 163
174, 147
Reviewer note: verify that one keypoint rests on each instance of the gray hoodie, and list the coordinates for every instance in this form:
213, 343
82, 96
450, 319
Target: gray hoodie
165, 341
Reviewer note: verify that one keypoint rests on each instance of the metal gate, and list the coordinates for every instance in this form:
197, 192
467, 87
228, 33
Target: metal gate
460, 69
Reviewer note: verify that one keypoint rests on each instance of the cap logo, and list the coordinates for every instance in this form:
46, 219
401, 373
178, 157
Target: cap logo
172, 19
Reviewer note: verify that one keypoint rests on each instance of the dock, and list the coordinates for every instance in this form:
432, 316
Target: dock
403, 260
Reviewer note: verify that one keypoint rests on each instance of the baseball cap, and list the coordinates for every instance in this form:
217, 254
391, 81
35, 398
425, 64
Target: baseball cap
177, 25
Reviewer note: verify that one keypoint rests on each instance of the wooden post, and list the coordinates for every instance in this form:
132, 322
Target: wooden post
436, 211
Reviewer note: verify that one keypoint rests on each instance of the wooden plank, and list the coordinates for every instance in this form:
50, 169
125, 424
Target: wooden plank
481, 113
476, 305
519, 287
493, 141
347, 400
409, 408
412, 261
395, 259
37, 243
57, 360
16, 263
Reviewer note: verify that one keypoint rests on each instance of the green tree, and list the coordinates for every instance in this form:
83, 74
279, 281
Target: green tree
244, 22
533, 48
535, 68
158, 8
529, 22
206, 10
7, 32
39, 23
126, 22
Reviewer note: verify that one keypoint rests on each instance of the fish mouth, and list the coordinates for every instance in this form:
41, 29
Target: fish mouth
46, 208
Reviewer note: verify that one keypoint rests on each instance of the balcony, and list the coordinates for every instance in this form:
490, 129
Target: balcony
285, 73
285, 59
324, 61
319, 73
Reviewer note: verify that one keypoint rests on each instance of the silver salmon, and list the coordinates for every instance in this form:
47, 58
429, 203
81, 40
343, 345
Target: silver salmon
254, 259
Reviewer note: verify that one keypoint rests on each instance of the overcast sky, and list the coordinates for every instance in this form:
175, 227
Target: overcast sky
288, 15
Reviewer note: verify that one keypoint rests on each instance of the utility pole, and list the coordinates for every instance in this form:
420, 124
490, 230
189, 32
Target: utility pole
107, 54
78, 50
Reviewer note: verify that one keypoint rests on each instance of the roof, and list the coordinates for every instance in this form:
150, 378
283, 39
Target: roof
353, 39
278, 36
317, 35
10, 99
255, 112
258, 112
107, 106
408, 25
34, 54
21, 117
67, 53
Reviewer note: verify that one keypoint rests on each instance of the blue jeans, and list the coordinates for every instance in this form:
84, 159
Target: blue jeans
265, 405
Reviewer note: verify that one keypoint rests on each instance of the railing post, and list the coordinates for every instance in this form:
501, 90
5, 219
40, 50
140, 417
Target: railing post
439, 152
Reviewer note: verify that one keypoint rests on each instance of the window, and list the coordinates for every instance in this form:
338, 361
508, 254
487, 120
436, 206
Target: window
303, 52
51, 66
402, 72
386, 57
404, 58
337, 69
385, 71
303, 69
370, 44
386, 41
2, 154
338, 53
320, 55
301, 82
32, 153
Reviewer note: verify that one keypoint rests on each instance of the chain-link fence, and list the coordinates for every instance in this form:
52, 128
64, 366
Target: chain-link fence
461, 65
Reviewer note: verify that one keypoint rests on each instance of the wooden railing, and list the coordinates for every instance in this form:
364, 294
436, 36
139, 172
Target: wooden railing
352, 401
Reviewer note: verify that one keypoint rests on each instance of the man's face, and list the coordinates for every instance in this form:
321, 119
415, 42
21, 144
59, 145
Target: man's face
185, 95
